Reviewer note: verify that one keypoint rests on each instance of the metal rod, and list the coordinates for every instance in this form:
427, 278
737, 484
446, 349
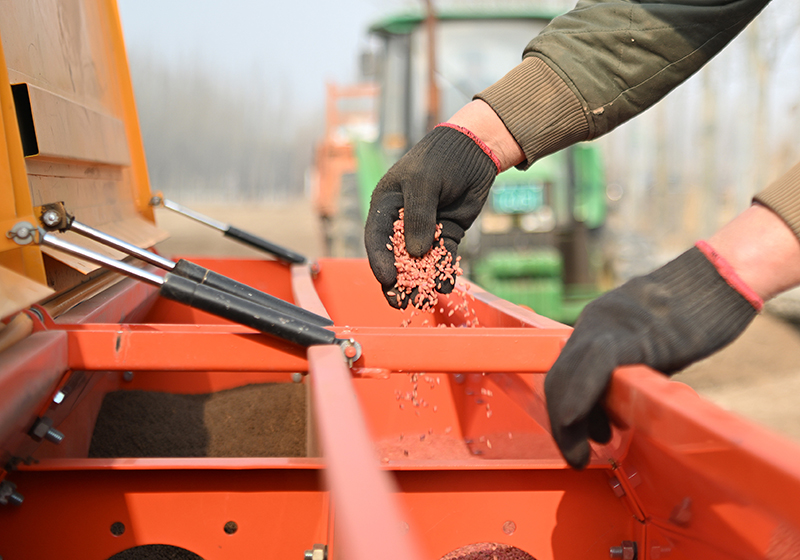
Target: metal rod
124, 246
200, 275
175, 207
51, 240
282, 253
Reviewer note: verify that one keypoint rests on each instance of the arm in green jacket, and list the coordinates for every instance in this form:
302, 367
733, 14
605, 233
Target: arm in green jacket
605, 62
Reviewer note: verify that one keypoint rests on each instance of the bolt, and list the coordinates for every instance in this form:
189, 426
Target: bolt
43, 429
509, 527
155, 201
319, 552
9, 494
297, 377
626, 551
127, 376
54, 436
51, 218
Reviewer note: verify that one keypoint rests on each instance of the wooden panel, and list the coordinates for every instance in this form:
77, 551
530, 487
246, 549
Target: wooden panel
64, 129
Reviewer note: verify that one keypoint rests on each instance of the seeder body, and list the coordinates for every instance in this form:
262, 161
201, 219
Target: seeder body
422, 441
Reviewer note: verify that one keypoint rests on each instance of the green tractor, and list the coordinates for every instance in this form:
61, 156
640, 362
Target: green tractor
534, 242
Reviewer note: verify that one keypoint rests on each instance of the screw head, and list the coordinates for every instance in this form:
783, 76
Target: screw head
51, 218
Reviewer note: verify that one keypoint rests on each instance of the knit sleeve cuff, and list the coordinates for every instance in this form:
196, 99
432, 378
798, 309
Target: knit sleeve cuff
538, 108
783, 198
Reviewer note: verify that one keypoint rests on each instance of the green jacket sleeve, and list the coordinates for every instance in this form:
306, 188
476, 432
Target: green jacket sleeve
606, 61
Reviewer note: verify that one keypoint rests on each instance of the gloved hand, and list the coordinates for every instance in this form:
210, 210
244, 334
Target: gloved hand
676, 315
445, 178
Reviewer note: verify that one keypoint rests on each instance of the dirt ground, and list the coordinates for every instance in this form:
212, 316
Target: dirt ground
757, 377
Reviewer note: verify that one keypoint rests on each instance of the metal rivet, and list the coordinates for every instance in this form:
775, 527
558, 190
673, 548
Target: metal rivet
509, 527
231, 527
117, 528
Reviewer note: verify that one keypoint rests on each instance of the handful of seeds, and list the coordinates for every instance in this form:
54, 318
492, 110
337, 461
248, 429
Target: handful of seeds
419, 279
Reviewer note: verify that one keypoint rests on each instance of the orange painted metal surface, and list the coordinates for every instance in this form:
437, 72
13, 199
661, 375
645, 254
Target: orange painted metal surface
435, 439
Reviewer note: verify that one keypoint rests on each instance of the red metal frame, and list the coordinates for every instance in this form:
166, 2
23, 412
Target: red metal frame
467, 459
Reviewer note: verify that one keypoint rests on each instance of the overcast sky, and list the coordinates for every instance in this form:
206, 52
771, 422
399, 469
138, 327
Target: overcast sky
300, 44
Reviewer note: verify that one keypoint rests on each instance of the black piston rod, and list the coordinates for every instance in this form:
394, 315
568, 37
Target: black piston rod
282, 253
210, 300
199, 274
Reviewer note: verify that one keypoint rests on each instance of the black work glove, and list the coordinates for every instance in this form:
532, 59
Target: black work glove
445, 178
668, 319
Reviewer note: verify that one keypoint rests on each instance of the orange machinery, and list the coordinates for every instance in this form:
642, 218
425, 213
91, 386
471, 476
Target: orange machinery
422, 443
350, 116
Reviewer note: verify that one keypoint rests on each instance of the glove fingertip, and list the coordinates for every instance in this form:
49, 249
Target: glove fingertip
417, 244
577, 454
395, 299
419, 228
599, 425
573, 443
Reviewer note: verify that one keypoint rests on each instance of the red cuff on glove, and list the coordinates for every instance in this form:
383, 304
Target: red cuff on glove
481, 144
729, 275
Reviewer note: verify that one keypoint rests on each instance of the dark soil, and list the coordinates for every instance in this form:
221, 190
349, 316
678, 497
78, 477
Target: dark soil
265, 420
156, 552
488, 551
